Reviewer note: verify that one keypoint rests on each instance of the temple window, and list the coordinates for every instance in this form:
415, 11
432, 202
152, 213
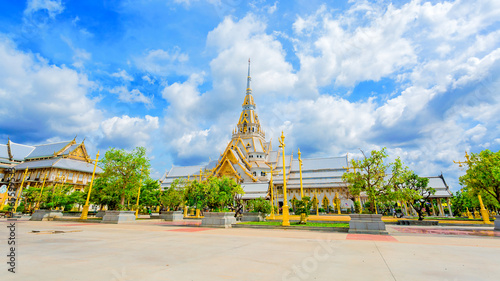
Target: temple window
263, 174
255, 173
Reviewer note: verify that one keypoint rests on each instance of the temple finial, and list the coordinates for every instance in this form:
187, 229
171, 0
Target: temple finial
249, 90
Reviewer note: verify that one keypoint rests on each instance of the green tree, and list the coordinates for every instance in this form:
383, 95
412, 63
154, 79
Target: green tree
61, 196
173, 196
414, 190
30, 196
214, 193
372, 178
150, 194
122, 174
483, 175
461, 202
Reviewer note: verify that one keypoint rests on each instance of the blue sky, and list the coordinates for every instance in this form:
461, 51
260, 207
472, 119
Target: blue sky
420, 78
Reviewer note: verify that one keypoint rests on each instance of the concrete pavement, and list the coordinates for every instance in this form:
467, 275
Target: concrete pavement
153, 250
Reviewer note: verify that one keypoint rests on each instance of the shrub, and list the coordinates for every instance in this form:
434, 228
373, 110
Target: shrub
259, 205
303, 206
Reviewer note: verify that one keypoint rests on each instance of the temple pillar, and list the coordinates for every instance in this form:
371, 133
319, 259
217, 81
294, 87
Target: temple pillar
448, 202
432, 206
440, 208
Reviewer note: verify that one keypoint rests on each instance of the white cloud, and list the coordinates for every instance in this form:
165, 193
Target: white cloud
130, 96
329, 126
80, 56
129, 131
52, 7
347, 54
235, 42
42, 98
123, 75
161, 62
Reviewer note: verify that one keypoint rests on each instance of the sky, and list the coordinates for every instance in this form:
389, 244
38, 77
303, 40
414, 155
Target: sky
419, 78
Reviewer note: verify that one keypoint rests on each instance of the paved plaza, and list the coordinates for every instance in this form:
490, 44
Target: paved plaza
156, 250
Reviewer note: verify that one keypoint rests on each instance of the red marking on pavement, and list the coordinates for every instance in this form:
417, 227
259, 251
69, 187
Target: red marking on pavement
476, 232
190, 229
370, 237
78, 224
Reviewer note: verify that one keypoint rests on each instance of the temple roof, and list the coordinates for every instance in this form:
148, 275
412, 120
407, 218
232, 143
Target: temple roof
439, 184
61, 163
19, 151
47, 150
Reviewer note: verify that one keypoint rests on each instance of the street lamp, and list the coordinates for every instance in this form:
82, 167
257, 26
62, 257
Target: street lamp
85, 210
286, 220
138, 196
300, 172
20, 190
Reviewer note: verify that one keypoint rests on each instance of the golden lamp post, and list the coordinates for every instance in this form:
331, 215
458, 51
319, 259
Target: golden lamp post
20, 189
271, 216
138, 196
286, 220
37, 206
484, 212
85, 211
300, 172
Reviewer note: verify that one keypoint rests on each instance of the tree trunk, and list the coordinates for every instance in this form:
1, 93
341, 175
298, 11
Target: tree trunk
420, 215
372, 206
122, 202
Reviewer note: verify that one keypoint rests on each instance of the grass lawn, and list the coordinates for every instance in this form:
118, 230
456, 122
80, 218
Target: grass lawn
447, 218
309, 224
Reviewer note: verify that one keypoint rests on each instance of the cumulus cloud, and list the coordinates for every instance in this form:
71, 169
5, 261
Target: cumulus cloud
162, 62
123, 75
52, 7
133, 96
445, 72
43, 99
129, 132
198, 121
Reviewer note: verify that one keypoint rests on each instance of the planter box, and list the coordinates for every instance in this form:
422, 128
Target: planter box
46, 215
172, 216
119, 217
248, 216
224, 220
367, 224
100, 214
497, 223
412, 222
